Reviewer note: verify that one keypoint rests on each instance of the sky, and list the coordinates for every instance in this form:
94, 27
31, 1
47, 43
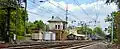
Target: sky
78, 10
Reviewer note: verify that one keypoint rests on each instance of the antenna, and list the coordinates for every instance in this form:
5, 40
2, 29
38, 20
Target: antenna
66, 10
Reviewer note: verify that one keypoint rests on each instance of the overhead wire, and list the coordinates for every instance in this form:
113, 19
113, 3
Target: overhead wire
95, 8
97, 13
47, 10
35, 13
58, 6
77, 3
69, 12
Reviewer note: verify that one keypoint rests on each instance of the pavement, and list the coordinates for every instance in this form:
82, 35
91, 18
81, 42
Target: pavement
99, 45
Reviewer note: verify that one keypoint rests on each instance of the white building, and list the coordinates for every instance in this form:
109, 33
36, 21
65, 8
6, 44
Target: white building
57, 24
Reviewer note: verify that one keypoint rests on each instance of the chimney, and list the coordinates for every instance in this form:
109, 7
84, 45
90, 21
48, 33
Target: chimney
52, 17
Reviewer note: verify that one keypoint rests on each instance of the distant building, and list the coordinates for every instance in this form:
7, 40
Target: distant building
37, 34
58, 26
73, 34
74, 31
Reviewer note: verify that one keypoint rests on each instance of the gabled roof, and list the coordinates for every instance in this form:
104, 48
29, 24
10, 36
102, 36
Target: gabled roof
56, 19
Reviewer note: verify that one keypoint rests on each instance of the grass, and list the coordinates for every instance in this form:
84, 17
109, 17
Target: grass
20, 37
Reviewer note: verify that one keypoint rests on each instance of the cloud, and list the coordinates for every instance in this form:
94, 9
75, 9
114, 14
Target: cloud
76, 12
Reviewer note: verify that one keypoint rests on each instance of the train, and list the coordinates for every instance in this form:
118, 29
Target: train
96, 37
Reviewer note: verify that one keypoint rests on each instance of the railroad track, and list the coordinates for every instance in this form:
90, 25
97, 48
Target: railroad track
74, 46
52, 45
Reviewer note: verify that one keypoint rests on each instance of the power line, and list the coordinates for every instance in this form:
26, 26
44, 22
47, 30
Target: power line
97, 12
82, 9
46, 9
57, 6
35, 13
62, 9
69, 11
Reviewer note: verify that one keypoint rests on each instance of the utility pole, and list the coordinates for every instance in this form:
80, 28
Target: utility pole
8, 25
66, 12
25, 1
112, 28
7, 30
7, 21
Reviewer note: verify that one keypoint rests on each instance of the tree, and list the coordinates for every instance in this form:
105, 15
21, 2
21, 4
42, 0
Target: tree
116, 17
30, 26
98, 31
14, 28
83, 30
39, 24
36, 24
115, 1
117, 25
116, 20
2, 25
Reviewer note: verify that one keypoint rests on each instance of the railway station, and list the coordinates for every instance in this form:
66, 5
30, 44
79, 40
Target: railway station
59, 24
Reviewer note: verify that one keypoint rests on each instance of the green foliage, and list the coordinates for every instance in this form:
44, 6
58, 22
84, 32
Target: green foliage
116, 40
116, 16
89, 30
15, 28
108, 18
115, 1
20, 37
117, 25
2, 24
35, 24
39, 24
98, 31
83, 30
19, 27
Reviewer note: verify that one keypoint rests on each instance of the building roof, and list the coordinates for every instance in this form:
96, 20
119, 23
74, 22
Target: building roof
74, 32
56, 19
79, 35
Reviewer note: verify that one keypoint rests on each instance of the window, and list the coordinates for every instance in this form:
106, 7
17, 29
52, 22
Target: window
55, 26
64, 26
58, 26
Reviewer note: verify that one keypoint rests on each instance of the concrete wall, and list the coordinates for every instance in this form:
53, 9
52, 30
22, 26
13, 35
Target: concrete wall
37, 36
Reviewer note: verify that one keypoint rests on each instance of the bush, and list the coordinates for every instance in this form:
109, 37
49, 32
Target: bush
115, 40
20, 37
